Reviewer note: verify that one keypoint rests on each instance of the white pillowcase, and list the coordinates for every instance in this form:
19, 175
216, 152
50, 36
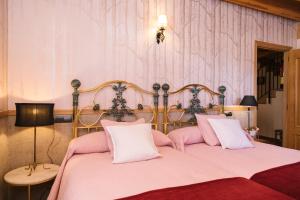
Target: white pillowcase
230, 133
132, 143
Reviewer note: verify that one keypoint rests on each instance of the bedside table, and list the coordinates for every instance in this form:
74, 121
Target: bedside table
42, 173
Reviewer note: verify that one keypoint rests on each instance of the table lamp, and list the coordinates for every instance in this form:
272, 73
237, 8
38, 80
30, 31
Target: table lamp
34, 115
248, 101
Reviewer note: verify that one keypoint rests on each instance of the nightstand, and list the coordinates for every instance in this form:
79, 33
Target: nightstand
19, 177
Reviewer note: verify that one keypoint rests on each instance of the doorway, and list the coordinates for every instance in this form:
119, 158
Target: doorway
270, 80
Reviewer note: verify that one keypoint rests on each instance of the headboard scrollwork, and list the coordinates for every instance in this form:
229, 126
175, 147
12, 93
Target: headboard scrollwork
194, 106
119, 108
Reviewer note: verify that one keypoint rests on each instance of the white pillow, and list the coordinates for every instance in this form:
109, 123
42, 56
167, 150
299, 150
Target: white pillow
132, 143
230, 133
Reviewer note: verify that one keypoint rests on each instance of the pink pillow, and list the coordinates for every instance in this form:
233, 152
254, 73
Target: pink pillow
186, 135
161, 139
90, 143
105, 123
249, 136
208, 133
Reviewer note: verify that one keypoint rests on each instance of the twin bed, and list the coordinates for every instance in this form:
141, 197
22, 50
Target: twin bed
200, 172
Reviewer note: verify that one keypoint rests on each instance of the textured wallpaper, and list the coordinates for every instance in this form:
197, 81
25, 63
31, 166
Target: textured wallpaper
210, 42
4, 165
3, 55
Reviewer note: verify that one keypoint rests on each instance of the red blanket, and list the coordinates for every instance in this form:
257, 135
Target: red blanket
285, 179
225, 189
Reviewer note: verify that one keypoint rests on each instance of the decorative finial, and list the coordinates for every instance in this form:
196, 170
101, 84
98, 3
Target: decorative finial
76, 83
165, 86
222, 89
156, 86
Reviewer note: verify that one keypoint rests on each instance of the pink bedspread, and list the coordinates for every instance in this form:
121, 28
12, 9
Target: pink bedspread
93, 176
244, 162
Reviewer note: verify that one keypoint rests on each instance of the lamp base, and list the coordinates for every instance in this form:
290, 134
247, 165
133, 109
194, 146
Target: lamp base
32, 167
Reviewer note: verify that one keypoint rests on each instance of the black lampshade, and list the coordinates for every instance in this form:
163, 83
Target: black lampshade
248, 100
34, 114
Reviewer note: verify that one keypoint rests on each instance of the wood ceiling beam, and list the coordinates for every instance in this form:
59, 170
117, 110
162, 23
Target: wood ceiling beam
285, 8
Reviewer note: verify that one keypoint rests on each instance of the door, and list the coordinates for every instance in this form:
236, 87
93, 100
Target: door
292, 136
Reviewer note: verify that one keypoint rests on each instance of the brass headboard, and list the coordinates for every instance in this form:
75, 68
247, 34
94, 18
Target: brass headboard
194, 104
118, 110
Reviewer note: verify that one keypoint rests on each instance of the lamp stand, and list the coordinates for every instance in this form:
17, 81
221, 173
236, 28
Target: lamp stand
248, 118
33, 165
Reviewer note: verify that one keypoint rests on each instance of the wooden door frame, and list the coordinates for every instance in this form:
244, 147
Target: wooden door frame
285, 50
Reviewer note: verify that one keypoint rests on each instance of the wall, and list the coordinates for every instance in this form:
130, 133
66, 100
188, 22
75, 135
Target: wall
3, 93
207, 41
3, 55
270, 116
51, 42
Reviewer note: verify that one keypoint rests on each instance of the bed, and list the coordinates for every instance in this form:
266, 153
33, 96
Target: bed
91, 175
272, 166
87, 171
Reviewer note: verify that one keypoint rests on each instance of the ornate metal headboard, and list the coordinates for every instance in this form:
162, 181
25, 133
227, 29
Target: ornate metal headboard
118, 110
194, 106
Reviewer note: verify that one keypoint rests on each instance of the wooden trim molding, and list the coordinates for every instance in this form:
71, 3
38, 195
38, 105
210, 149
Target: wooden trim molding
285, 8
268, 46
160, 110
280, 48
271, 46
3, 113
238, 108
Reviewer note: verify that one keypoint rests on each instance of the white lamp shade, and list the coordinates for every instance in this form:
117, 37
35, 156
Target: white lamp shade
162, 21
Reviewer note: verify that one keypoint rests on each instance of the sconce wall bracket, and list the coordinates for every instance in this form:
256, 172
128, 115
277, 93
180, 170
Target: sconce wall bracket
160, 35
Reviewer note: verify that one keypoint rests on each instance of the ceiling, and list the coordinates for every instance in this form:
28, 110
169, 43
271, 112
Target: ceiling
285, 8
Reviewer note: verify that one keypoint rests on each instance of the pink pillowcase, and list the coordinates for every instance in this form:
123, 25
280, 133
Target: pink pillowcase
161, 139
105, 123
90, 143
208, 133
186, 135
250, 138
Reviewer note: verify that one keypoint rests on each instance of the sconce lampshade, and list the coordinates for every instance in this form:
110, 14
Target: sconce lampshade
248, 100
34, 114
162, 21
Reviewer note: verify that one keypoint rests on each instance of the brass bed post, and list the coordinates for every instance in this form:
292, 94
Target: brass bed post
165, 88
156, 88
222, 90
75, 84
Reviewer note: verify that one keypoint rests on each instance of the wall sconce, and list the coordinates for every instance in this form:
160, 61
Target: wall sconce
162, 24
